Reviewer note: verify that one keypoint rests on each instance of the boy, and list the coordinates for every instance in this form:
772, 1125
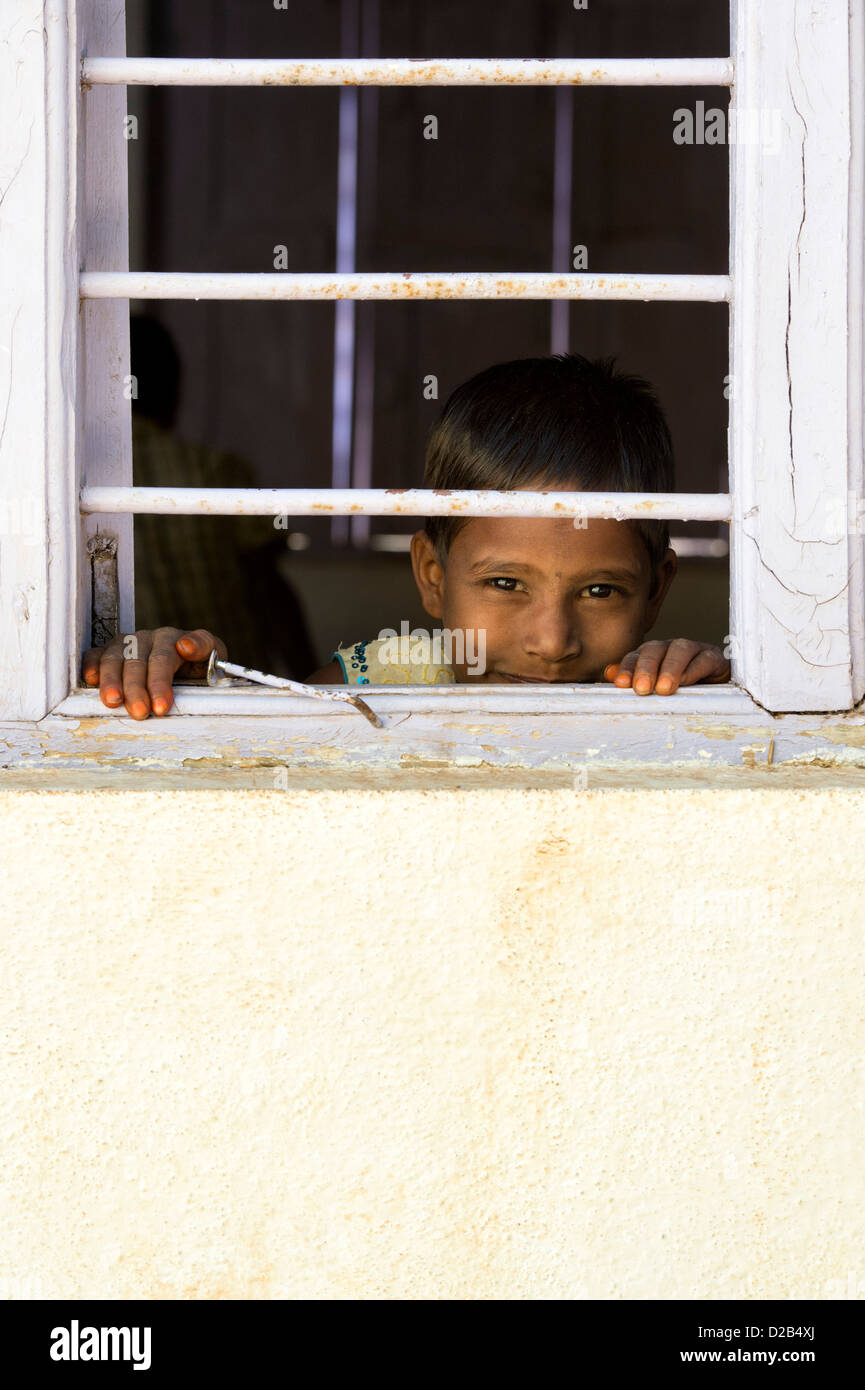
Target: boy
549, 600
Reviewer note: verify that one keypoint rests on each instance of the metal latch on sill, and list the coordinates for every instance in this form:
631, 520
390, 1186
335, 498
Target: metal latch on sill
239, 675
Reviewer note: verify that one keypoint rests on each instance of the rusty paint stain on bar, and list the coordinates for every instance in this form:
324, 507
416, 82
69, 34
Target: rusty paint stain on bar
401, 285
403, 501
408, 72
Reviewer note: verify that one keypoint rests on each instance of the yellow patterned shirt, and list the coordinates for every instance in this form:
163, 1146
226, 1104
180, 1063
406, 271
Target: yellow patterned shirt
393, 661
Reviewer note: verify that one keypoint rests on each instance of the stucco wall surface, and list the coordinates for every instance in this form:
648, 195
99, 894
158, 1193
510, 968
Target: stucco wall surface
480, 1044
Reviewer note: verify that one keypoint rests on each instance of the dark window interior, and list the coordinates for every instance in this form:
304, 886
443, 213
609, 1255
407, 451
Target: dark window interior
219, 177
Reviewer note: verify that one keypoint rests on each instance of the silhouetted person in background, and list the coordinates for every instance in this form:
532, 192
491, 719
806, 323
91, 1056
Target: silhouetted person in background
220, 573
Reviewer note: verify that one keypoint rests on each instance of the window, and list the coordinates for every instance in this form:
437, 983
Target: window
796, 366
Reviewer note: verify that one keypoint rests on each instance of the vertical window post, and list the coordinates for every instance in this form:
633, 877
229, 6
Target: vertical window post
796, 353
106, 383
64, 369
38, 354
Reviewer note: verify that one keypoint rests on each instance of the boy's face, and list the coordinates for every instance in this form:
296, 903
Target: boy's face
557, 603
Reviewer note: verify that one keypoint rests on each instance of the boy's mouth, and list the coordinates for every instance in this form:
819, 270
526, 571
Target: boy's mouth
535, 680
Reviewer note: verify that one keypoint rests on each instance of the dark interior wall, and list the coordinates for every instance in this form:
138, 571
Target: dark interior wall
230, 173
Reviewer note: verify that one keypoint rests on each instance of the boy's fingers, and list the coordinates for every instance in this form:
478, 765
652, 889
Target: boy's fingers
682, 662
137, 669
624, 669
163, 663
680, 653
90, 666
196, 646
719, 677
134, 658
638, 668
110, 673
706, 664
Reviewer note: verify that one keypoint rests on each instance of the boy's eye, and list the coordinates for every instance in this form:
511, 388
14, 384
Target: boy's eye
610, 587
506, 584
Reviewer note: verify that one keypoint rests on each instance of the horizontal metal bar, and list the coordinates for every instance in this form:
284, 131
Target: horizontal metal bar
600, 698
315, 501
409, 72
181, 284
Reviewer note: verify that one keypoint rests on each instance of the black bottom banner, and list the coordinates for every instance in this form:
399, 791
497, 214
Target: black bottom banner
219, 1340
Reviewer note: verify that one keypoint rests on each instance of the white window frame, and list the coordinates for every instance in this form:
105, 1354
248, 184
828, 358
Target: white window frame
796, 361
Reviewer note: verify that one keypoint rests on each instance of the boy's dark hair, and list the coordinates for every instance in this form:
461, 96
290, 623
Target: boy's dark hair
546, 421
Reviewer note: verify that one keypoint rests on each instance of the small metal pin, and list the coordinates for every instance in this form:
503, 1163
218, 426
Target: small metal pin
242, 673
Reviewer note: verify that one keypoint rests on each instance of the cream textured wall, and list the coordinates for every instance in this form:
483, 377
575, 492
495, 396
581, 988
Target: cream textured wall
409, 1044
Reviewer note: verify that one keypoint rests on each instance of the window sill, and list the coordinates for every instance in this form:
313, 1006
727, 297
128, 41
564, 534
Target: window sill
580, 737
399, 701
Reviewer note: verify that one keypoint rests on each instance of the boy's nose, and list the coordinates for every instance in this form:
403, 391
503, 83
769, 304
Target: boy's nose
552, 637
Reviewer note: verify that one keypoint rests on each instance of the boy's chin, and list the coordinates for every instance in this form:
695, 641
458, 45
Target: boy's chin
471, 676
465, 677
468, 677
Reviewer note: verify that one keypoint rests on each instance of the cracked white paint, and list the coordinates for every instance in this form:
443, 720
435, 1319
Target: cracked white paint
28, 319
62, 204
796, 349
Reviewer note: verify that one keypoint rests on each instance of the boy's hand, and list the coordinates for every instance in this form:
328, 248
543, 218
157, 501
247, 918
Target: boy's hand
665, 666
137, 669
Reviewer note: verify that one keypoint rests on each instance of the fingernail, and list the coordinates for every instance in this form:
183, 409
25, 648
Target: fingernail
113, 696
665, 683
643, 683
138, 710
159, 705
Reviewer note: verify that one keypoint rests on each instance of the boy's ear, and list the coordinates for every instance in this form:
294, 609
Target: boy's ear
664, 576
428, 573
